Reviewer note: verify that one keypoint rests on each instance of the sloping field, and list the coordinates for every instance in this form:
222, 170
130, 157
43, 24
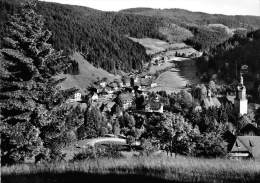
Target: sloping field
88, 73
152, 45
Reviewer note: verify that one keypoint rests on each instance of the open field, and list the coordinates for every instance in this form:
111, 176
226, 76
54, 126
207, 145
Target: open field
176, 78
153, 46
140, 169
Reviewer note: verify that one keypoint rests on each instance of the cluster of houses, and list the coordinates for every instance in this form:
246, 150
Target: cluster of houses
104, 94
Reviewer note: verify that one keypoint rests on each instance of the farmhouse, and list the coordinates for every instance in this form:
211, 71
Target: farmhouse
94, 97
77, 98
103, 84
246, 147
154, 107
127, 100
210, 101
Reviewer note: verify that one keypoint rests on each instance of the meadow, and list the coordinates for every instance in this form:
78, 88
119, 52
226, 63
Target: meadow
159, 168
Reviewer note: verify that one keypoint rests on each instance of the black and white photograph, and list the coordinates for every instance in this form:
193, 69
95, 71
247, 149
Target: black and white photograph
130, 91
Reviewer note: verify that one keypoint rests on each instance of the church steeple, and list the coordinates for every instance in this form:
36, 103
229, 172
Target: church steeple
241, 99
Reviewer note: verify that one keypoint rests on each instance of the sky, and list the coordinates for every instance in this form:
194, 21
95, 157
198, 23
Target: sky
228, 7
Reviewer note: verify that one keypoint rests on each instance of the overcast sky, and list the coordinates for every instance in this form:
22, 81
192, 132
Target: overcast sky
229, 7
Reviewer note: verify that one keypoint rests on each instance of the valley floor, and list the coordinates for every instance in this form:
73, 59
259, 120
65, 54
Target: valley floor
160, 168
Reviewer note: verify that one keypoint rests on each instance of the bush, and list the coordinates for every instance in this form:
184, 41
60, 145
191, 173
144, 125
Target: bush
99, 151
149, 146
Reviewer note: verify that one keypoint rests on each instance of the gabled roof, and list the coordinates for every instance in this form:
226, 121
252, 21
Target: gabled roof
126, 97
154, 105
211, 102
243, 121
249, 144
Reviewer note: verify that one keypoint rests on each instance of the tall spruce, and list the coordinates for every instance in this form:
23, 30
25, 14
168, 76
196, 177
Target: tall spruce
33, 108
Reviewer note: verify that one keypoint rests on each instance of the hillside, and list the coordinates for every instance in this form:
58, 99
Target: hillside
208, 30
87, 74
103, 36
89, 31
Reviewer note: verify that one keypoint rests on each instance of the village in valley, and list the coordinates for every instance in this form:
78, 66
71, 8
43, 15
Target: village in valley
138, 93
132, 95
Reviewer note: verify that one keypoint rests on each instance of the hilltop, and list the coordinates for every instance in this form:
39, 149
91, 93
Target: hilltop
181, 16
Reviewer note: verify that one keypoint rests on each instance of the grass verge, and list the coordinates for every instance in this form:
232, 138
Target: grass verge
140, 169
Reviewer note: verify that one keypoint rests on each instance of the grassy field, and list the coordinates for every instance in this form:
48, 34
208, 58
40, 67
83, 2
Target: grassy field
140, 169
175, 79
153, 46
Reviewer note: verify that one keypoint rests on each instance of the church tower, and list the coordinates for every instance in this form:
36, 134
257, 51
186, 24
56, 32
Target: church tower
241, 100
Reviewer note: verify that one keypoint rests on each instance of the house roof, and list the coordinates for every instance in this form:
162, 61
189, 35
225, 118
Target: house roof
109, 105
211, 102
126, 97
154, 105
243, 121
249, 144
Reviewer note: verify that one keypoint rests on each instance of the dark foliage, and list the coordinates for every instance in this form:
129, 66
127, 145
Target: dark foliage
100, 36
33, 110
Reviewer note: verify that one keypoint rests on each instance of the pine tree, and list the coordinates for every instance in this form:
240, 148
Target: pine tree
32, 105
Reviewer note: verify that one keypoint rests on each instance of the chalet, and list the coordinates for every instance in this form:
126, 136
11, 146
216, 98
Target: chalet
154, 107
105, 95
210, 101
127, 100
147, 77
136, 79
103, 84
94, 97
127, 84
246, 147
154, 85
77, 98
108, 106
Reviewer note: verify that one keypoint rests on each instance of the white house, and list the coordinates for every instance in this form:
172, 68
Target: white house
94, 97
77, 97
103, 84
154, 85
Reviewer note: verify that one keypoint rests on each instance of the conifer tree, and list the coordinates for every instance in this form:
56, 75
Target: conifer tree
33, 108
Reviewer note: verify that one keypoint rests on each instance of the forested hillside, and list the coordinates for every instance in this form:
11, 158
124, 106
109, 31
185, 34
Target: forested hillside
89, 31
227, 58
205, 36
102, 36
238, 50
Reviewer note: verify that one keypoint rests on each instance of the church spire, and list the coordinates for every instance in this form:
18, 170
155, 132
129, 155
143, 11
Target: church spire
241, 79
241, 99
